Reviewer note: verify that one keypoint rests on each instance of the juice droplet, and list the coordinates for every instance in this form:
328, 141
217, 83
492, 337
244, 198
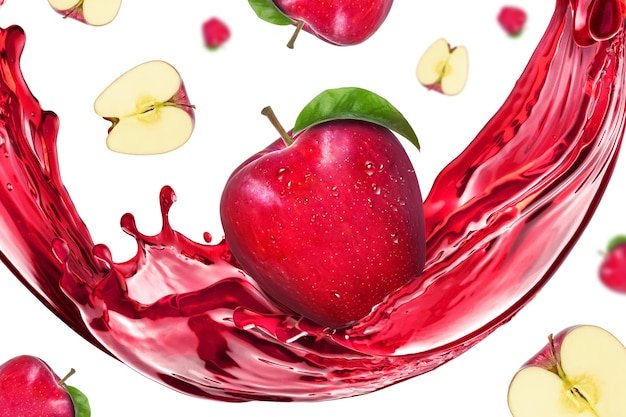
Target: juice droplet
605, 19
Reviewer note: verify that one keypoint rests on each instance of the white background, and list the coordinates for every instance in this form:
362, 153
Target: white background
67, 64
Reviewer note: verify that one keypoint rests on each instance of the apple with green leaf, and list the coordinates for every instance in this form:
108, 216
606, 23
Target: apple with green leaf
30, 388
338, 22
613, 268
329, 219
91, 12
444, 68
580, 372
149, 110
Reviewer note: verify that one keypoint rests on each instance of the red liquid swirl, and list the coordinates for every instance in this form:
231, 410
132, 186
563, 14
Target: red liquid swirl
500, 219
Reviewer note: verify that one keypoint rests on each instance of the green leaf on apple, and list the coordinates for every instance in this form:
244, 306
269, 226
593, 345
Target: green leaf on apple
80, 401
354, 103
268, 11
615, 242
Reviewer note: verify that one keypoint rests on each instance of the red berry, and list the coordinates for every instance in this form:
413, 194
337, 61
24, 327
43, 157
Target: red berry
512, 19
215, 33
613, 268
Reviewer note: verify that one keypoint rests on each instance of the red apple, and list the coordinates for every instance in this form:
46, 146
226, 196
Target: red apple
580, 372
338, 22
512, 19
330, 222
215, 33
613, 268
30, 388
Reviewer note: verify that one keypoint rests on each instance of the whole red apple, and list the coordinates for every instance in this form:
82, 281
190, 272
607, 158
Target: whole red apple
512, 19
215, 33
613, 268
330, 224
30, 388
339, 22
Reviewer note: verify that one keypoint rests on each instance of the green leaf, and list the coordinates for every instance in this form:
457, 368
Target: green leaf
354, 103
615, 242
81, 403
268, 11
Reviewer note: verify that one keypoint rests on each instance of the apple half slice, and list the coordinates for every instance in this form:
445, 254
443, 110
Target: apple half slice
149, 110
91, 12
580, 373
443, 68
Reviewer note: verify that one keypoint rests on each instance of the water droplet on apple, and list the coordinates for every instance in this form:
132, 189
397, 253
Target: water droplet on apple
334, 191
281, 172
9, 186
369, 168
376, 189
335, 294
395, 238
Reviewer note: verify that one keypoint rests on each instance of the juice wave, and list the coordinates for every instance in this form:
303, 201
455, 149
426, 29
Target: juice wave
500, 219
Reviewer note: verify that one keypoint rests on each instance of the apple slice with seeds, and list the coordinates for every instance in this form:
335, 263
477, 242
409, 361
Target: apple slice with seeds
91, 12
443, 68
580, 372
149, 110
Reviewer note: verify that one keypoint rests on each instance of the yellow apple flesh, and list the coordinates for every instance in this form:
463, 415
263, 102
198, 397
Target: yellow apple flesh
580, 373
92, 12
149, 110
444, 69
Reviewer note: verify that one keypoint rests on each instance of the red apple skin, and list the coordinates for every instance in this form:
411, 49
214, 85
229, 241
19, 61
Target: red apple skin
613, 269
30, 388
339, 22
330, 225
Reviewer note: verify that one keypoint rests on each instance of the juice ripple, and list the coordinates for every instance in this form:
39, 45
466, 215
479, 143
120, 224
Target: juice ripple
500, 219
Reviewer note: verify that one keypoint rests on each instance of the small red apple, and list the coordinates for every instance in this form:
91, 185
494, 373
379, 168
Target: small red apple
30, 388
331, 221
338, 22
215, 33
512, 19
613, 268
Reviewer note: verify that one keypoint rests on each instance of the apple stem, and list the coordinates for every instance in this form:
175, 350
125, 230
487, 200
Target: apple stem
269, 113
556, 357
65, 378
295, 34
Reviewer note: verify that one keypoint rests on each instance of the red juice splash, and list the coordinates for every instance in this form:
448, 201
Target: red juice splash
500, 219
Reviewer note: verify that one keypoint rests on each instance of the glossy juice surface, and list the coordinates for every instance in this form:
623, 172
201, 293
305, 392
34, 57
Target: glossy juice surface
500, 218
